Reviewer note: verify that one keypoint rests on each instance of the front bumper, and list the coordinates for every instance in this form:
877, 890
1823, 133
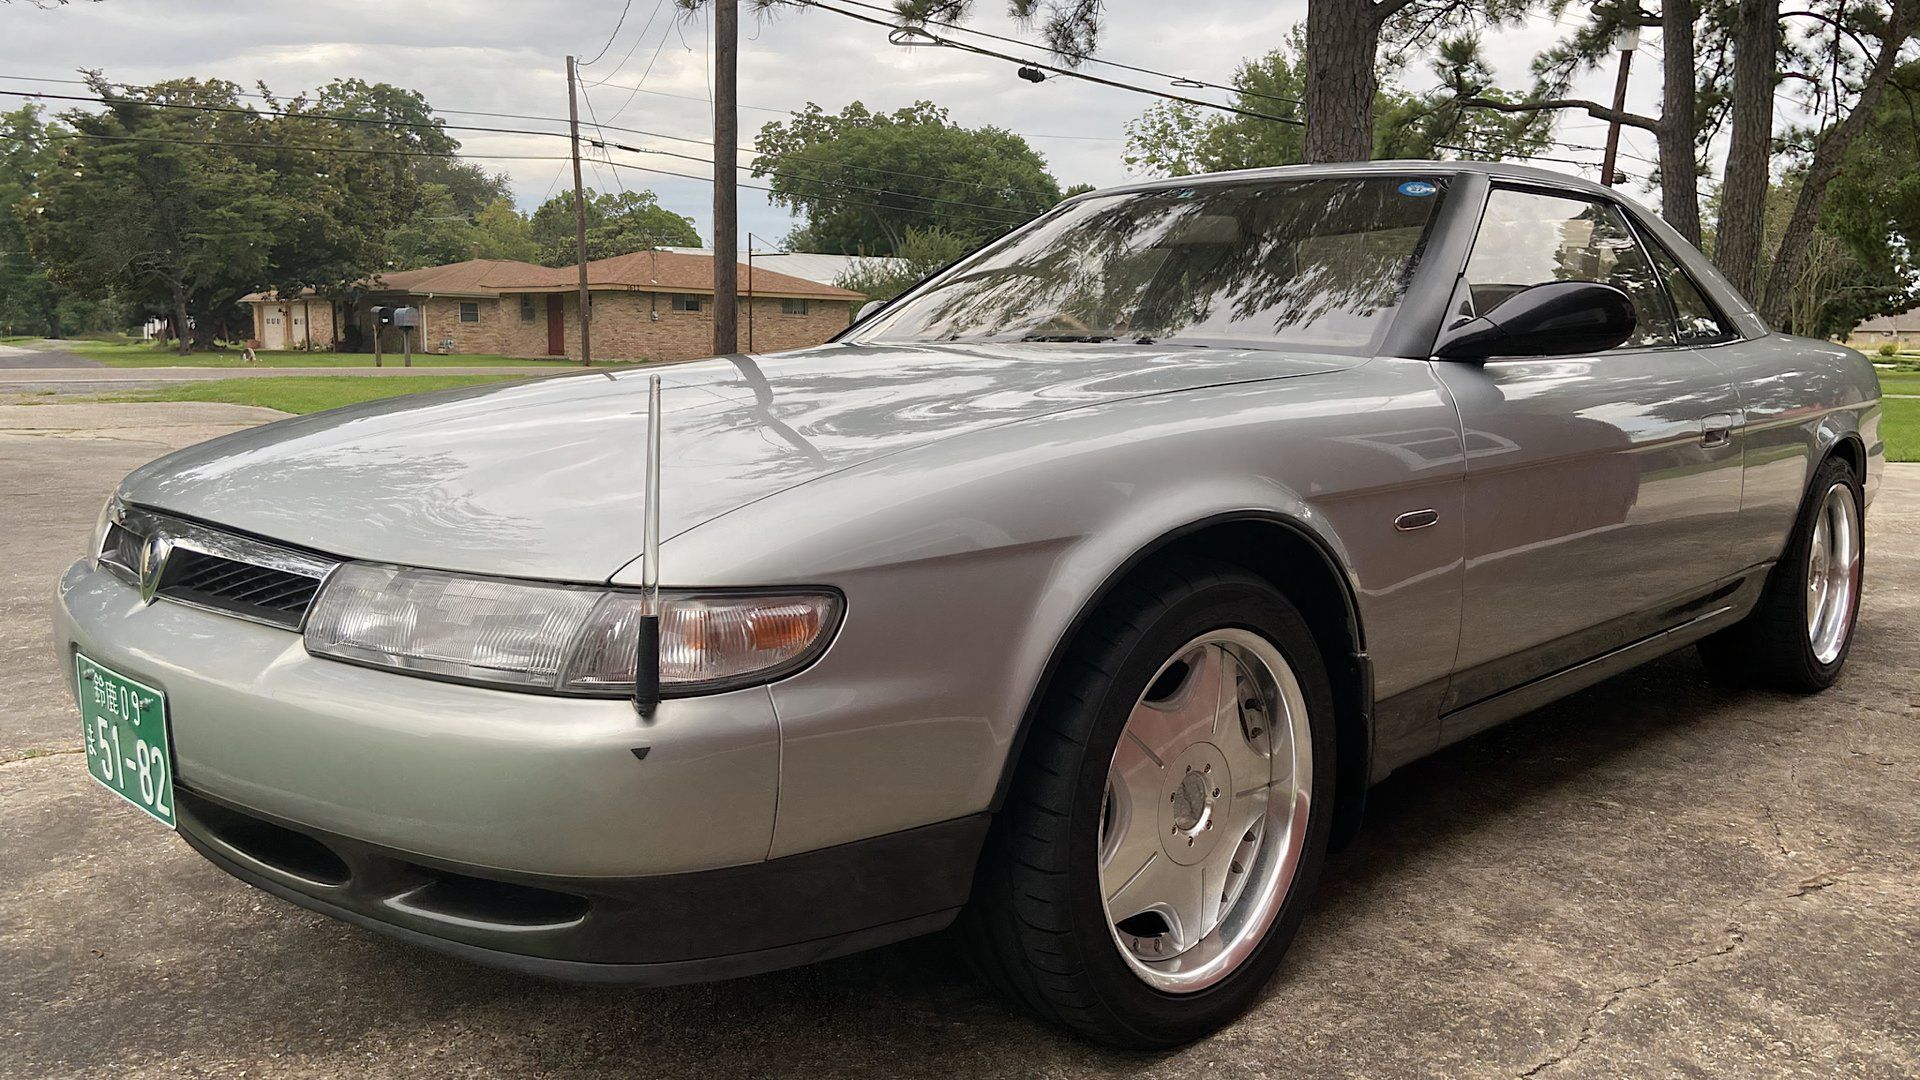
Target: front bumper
712, 924
562, 836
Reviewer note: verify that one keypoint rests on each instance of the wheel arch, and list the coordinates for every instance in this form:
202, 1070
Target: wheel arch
1303, 566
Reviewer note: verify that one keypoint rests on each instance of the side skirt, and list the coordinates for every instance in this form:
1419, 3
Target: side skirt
1729, 609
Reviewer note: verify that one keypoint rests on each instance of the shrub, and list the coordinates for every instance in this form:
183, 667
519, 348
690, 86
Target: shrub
1889, 349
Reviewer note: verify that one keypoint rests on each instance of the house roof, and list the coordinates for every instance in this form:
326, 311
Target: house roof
474, 277
644, 271
453, 279
1905, 322
657, 271
812, 265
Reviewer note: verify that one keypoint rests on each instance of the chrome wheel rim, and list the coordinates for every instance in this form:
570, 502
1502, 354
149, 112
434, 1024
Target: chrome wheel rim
1833, 573
1205, 813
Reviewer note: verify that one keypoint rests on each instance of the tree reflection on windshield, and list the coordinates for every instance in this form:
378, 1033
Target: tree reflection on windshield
1315, 263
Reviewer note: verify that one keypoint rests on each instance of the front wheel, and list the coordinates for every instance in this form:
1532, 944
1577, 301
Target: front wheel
1798, 635
1169, 817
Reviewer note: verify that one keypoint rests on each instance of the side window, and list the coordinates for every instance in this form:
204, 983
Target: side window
1694, 317
1530, 239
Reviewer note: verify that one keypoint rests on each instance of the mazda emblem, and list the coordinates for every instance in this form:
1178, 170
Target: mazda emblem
153, 564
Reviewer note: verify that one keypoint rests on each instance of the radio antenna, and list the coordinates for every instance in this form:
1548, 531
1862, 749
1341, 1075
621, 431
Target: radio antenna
646, 665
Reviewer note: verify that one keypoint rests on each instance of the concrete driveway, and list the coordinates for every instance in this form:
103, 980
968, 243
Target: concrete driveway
1656, 877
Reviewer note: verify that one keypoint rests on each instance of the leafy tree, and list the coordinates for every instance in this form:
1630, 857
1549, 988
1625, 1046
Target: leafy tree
864, 179
503, 232
1861, 56
28, 300
616, 225
1175, 138
180, 218
923, 252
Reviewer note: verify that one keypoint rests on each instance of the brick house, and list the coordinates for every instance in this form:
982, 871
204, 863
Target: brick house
1902, 331
651, 305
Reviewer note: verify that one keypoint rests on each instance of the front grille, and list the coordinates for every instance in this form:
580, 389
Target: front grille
174, 559
277, 596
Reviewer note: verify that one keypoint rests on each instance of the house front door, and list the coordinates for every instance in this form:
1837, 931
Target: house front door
556, 325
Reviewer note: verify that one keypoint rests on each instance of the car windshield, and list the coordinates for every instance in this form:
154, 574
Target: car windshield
1304, 263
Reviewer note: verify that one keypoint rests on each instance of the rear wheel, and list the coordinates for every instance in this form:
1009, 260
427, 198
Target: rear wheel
1798, 636
1169, 817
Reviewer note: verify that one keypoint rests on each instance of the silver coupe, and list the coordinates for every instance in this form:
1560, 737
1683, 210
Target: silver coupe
1077, 595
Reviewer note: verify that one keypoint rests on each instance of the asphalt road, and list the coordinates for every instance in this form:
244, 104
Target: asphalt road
1655, 877
13, 358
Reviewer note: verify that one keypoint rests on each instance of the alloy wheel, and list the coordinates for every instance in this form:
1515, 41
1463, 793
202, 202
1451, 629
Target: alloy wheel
1206, 808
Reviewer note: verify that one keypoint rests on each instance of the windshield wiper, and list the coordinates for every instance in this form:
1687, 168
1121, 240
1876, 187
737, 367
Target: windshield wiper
1086, 338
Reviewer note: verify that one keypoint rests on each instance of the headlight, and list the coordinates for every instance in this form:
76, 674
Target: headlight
114, 548
564, 639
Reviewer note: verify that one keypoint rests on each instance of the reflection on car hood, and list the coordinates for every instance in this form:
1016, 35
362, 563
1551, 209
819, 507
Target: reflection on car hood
544, 478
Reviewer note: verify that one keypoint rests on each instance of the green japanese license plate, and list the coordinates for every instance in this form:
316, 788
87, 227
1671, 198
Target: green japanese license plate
126, 733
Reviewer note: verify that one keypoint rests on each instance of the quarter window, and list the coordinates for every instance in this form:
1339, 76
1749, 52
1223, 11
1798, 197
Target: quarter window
470, 312
1528, 239
1695, 320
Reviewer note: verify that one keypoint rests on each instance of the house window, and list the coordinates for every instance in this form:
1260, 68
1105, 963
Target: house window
683, 302
526, 309
470, 312
793, 307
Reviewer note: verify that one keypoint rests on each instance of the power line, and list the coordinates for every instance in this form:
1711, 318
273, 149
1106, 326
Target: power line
1177, 80
236, 110
637, 39
1022, 215
314, 149
833, 198
907, 36
1011, 214
602, 128
618, 23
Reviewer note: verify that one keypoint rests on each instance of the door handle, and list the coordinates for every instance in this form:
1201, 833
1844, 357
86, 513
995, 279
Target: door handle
1717, 429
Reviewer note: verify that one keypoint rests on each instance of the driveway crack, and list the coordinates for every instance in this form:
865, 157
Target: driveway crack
31, 755
1591, 1025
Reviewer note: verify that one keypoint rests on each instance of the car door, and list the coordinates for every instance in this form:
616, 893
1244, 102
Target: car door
1600, 489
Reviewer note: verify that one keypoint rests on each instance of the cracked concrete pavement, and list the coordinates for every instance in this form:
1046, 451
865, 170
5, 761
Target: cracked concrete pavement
1655, 877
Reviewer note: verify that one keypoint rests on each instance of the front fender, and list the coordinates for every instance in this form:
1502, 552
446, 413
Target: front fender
966, 563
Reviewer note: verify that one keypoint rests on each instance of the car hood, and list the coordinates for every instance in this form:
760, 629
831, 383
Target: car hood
545, 478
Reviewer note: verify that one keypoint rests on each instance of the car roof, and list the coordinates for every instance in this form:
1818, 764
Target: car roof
1389, 167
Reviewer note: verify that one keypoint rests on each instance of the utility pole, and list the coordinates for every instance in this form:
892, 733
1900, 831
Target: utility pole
579, 219
726, 191
1627, 43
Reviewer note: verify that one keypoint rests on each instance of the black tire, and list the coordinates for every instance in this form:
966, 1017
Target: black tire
1770, 647
1037, 927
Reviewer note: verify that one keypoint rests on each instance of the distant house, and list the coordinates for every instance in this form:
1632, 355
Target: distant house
653, 305
1902, 330
813, 266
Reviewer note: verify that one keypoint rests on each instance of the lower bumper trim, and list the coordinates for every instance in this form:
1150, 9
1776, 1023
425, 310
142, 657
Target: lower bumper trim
658, 930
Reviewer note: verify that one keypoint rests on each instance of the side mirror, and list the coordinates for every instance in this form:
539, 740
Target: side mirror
1559, 318
869, 308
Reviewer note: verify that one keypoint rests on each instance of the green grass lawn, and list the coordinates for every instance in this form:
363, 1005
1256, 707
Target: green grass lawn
305, 393
1900, 427
1900, 382
141, 354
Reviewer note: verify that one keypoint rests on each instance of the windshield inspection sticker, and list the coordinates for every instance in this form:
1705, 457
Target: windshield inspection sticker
1419, 189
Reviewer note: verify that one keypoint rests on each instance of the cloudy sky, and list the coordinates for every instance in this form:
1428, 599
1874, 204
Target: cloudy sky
494, 55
